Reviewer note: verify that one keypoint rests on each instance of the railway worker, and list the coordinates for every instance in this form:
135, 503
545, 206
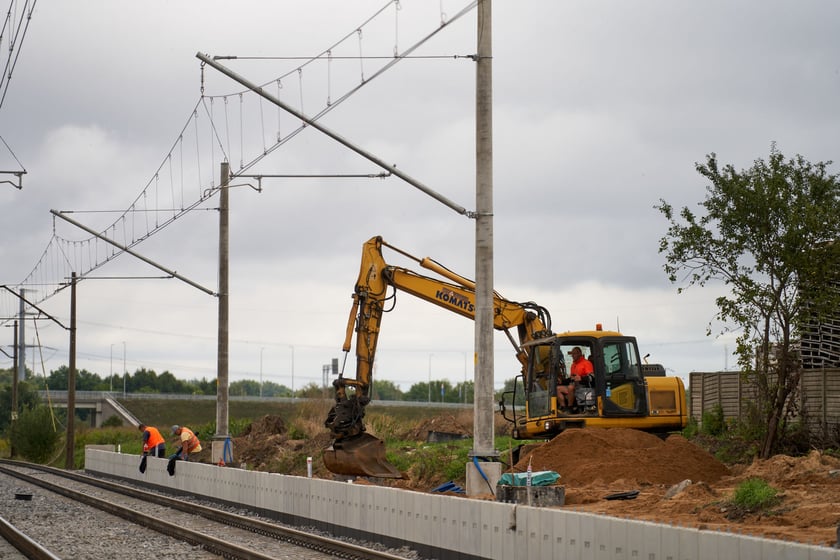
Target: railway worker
153, 443
188, 440
579, 374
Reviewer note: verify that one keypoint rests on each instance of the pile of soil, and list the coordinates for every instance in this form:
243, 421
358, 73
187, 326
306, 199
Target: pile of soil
260, 443
608, 455
445, 423
681, 484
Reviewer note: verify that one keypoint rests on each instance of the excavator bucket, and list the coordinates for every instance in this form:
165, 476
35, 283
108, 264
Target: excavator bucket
360, 455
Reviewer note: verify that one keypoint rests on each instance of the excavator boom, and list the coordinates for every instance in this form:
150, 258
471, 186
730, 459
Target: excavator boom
353, 451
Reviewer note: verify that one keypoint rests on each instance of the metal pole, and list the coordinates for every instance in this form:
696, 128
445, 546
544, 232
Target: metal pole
125, 371
261, 364
111, 371
465, 378
293, 369
483, 443
430, 378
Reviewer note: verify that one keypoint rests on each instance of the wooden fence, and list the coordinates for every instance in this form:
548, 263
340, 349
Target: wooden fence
818, 398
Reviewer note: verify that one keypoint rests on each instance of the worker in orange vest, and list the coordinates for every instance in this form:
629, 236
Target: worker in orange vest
188, 440
153, 443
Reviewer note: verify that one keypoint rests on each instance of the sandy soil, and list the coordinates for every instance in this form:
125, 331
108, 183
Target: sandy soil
678, 482
594, 464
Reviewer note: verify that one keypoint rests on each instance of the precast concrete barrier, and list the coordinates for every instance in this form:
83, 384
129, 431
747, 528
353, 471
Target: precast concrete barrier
447, 527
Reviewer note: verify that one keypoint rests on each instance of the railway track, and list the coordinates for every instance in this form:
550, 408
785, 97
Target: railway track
208, 529
18, 544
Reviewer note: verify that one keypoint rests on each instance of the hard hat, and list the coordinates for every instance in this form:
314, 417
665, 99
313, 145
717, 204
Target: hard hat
175, 428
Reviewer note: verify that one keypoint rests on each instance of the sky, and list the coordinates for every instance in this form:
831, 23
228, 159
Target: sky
600, 110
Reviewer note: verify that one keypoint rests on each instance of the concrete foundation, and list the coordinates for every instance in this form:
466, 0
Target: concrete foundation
535, 496
217, 451
476, 484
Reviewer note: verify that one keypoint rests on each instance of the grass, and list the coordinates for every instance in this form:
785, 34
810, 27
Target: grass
754, 495
428, 463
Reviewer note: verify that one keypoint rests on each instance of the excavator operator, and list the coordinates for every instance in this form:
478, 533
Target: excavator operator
579, 374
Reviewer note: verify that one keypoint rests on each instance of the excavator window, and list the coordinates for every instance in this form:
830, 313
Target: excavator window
623, 372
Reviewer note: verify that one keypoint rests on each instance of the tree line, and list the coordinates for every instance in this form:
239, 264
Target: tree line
149, 382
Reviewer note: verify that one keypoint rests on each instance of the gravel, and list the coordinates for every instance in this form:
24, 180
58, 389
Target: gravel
73, 531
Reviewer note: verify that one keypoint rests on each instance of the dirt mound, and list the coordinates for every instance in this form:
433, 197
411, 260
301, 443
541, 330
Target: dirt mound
582, 456
267, 425
445, 423
785, 470
261, 442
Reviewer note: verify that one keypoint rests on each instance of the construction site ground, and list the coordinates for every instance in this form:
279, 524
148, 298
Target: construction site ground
678, 482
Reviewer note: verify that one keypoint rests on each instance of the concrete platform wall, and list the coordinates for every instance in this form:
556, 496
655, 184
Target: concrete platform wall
448, 527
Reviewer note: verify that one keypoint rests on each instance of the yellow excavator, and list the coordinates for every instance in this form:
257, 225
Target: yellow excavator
623, 391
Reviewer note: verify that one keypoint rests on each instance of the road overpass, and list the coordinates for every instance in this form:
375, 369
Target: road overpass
100, 404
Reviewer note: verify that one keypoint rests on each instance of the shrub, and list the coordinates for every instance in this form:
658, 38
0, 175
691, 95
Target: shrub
691, 429
713, 422
755, 494
34, 436
112, 422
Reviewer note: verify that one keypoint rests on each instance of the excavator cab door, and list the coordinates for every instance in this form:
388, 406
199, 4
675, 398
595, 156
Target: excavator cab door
545, 369
622, 385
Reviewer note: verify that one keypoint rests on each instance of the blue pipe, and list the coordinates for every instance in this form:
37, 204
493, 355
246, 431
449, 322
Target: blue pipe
227, 452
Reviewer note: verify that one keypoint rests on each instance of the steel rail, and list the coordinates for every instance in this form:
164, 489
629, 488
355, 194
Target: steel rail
21, 541
285, 534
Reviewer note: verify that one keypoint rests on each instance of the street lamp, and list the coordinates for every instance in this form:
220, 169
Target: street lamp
111, 372
261, 364
430, 377
125, 371
465, 378
293, 369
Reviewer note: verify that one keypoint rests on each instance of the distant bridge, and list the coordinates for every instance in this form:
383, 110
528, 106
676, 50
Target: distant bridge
104, 404
101, 404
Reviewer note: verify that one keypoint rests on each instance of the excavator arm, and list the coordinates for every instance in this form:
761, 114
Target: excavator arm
353, 451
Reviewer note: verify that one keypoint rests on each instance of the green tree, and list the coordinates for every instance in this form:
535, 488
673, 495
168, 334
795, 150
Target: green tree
385, 390
313, 390
85, 380
168, 383
142, 381
420, 392
27, 398
465, 391
768, 233
271, 389
202, 386
35, 434
244, 388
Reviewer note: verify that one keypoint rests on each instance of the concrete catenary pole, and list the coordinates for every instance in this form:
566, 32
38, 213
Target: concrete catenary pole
14, 415
21, 337
222, 356
483, 442
69, 459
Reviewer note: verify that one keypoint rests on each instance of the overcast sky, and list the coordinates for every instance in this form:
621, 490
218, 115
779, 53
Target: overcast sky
600, 109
